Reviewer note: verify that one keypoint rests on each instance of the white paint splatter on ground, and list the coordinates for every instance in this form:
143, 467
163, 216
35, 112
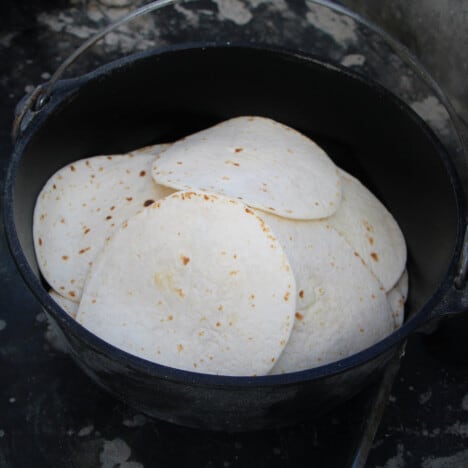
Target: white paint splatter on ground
464, 403
6, 39
114, 452
233, 10
355, 60
433, 112
136, 421
3, 325
341, 28
116, 3
85, 431
459, 459
82, 32
274, 5
398, 461
459, 429
425, 397
190, 16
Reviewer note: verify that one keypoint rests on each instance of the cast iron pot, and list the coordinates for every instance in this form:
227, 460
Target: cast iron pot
162, 95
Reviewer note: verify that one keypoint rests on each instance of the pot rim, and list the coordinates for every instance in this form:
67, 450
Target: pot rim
65, 88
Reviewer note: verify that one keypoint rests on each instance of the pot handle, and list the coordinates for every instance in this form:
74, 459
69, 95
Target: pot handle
41, 94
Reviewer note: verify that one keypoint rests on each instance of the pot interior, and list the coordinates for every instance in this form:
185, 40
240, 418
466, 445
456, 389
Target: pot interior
160, 97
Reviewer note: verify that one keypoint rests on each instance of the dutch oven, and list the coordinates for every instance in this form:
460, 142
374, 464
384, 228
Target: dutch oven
164, 94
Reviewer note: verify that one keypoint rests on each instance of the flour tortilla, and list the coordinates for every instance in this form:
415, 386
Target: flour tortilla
397, 297
259, 161
341, 307
196, 282
69, 306
80, 207
370, 228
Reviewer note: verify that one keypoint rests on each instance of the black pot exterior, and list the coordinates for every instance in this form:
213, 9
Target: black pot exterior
163, 95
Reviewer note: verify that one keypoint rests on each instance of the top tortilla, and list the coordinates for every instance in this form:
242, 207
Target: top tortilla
265, 164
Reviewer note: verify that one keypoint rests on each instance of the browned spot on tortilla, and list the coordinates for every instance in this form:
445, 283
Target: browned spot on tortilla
248, 210
286, 296
72, 293
65, 257
40, 241
206, 197
233, 272
299, 316
273, 359
82, 251
148, 202
87, 163
233, 163
93, 301
72, 281
373, 296
87, 230
252, 297
361, 330
62, 220
189, 195
301, 293
170, 317
184, 259
109, 157
180, 292
180, 162
129, 198
374, 256
218, 324
282, 342
108, 217
356, 254
142, 173
238, 150
369, 227
201, 333
225, 178
180, 348
371, 240
73, 168
112, 208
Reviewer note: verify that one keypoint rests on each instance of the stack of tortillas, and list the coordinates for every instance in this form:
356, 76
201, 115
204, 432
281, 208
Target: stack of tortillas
239, 250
